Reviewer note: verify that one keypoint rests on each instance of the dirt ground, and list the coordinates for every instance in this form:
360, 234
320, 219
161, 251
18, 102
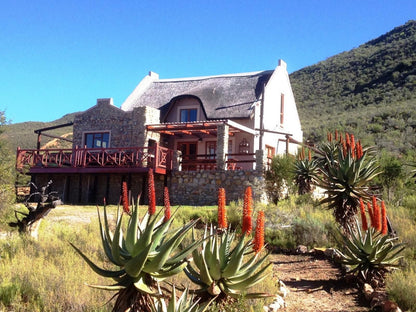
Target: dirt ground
315, 285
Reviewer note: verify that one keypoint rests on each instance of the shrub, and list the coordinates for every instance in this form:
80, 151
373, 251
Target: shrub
401, 288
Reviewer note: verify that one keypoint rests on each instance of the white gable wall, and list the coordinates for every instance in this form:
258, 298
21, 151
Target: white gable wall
277, 86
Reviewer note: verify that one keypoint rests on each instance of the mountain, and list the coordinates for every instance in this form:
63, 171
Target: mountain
369, 91
22, 134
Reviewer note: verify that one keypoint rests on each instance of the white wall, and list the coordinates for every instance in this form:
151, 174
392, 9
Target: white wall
279, 84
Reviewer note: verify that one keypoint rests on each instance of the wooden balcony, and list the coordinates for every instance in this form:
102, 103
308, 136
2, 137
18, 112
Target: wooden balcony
95, 160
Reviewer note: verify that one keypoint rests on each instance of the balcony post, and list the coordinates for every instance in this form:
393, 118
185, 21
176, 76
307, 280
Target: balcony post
261, 160
222, 146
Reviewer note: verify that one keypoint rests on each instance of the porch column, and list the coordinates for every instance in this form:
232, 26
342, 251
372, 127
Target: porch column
261, 160
222, 146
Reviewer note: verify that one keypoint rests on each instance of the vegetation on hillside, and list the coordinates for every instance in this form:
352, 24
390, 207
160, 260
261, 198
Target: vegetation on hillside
22, 134
370, 91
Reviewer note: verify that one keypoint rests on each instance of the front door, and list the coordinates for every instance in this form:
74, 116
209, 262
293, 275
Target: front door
189, 152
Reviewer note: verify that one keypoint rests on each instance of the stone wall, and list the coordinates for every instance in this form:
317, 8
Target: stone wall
126, 128
201, 187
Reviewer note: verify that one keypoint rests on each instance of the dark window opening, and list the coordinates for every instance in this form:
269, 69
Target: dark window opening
97, 140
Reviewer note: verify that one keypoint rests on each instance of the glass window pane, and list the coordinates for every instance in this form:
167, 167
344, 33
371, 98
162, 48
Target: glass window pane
192, 115
184, 115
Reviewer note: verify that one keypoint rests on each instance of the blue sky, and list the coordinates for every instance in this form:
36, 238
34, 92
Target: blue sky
58, 57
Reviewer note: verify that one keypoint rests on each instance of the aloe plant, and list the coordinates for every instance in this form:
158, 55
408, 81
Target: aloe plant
185, 303
345, 173
146, 254
369, 254
305, 170
219, 269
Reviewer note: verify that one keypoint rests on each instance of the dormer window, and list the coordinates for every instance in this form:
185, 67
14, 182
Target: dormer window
189, 114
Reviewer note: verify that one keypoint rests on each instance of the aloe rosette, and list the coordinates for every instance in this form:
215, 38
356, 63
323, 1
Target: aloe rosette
146, 254
369, 253
219, 269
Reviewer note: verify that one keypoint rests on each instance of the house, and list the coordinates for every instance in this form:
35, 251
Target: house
197, 134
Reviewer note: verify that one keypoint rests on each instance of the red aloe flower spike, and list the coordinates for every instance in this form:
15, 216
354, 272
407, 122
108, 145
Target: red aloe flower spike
167, 204
222, 217
329, 136
152, 194
344, 148
347, 141
247, 211
309, 155
353, 146
359, 150
377, 216
336, 135
384, 228
259, 235
370, 212
363, 216
125, 197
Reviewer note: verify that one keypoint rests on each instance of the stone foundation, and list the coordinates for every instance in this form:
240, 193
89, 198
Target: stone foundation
201, 187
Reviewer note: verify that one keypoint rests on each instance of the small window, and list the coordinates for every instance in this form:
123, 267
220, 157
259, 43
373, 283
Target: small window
282, 108
97, 140
188, 115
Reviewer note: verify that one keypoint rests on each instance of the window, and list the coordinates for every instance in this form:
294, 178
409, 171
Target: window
187, 115
282, 108
97, 140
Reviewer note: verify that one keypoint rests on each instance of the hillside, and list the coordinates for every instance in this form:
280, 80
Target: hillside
22, 134
370, 91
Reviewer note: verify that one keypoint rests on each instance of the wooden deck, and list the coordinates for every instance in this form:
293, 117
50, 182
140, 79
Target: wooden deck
95, 160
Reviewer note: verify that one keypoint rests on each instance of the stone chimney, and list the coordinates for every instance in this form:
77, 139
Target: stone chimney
107, 101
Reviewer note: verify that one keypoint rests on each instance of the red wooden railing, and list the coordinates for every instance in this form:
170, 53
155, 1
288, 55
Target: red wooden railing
155, 157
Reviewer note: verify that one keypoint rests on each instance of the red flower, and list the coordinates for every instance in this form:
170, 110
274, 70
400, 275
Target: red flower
222, 217
247, 211
377, 216
363, 216
384, 228
353, 154
151, 193
259, 235
167, 204
125, 197
370, 212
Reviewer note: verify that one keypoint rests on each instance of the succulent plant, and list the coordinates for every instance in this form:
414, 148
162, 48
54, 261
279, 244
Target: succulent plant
369, 253
219, 269
185, 303
305, 170
146, 254
345, 173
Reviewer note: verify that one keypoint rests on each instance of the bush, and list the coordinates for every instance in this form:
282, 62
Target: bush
401, 288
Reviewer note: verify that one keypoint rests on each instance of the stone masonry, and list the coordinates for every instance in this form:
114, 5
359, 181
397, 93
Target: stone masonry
201, 187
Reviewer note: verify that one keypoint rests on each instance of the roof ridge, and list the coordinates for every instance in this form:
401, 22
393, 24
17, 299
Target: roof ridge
255, 73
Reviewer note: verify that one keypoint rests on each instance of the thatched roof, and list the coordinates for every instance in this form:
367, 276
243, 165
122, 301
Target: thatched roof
225, 96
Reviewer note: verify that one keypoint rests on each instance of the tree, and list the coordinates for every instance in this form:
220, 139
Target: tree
279, 178
6, 170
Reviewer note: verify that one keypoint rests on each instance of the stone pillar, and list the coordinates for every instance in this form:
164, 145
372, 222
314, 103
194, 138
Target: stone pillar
261, 160
222, 146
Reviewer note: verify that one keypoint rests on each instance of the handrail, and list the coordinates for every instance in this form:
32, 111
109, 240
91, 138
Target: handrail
114, 157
